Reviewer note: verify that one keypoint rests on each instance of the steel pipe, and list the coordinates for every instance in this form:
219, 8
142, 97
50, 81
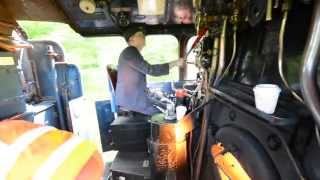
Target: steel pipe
311, 56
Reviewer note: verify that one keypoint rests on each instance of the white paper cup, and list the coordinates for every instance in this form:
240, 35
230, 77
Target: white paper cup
266, 97
180, 112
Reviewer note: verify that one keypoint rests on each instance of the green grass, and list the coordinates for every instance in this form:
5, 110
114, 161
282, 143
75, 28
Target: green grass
92, 55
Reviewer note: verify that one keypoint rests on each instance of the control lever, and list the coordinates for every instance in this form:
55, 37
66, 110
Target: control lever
160, 109
169, 112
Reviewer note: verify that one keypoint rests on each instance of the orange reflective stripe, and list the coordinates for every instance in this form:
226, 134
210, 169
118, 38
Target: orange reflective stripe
10, 130
93, 169
37, 153
77, 159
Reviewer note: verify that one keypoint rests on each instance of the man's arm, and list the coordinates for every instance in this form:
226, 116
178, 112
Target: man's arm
146, 68
137, 62
173, 64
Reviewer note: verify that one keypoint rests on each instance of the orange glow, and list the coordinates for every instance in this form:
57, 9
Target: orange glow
180, 134
186, 123
184, 126
228, 165
181, 153
171, 149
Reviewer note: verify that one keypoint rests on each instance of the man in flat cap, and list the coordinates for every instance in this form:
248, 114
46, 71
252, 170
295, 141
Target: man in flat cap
131, 90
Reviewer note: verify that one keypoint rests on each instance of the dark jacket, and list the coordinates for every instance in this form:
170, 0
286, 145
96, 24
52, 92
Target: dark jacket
131, 91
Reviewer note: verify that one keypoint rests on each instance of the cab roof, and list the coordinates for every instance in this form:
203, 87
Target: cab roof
110, 17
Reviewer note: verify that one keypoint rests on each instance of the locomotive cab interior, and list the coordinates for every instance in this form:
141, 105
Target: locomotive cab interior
229, 47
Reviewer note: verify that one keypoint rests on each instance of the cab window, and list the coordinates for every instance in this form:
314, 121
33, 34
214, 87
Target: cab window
91, 55
161, 49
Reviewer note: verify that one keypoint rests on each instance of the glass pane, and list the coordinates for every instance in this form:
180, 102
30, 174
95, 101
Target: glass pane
162, 49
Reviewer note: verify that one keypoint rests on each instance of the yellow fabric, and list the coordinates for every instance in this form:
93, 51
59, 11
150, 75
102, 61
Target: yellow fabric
33, 156
36, 153
77, 159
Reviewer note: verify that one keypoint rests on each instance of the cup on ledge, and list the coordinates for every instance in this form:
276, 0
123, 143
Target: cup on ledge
180, 112
266, 97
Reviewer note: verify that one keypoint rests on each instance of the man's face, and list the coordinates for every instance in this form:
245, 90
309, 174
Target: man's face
183, 15
139, 39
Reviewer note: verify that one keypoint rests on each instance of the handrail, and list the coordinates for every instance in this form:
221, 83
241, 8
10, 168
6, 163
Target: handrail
311, 56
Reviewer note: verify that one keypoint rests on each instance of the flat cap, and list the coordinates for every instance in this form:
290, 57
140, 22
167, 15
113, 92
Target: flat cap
131, 31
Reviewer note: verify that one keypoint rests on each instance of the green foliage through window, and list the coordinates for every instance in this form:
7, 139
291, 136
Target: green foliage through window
92, 55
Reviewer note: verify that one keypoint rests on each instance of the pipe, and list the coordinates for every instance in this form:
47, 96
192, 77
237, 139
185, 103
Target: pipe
199, 148
202, 143
311, 56
62, 121
222, 50
214, 60
280, 56
269, 10
204, 130
234, 50
197, 4
35, 78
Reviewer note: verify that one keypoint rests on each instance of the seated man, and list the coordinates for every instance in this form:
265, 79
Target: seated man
131, 91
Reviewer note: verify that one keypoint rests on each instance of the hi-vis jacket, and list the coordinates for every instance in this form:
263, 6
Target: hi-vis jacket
33, 152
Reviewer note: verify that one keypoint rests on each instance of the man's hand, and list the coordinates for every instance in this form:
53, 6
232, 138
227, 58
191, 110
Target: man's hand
179, 63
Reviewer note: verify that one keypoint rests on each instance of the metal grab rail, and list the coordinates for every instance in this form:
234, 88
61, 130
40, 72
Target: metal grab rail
311, 56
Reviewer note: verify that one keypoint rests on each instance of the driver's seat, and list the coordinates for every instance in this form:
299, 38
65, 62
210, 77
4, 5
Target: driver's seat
112, 83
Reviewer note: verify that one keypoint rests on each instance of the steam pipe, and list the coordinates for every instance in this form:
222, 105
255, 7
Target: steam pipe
232, 56
214, 60
222, 50
280, 56
311, 56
